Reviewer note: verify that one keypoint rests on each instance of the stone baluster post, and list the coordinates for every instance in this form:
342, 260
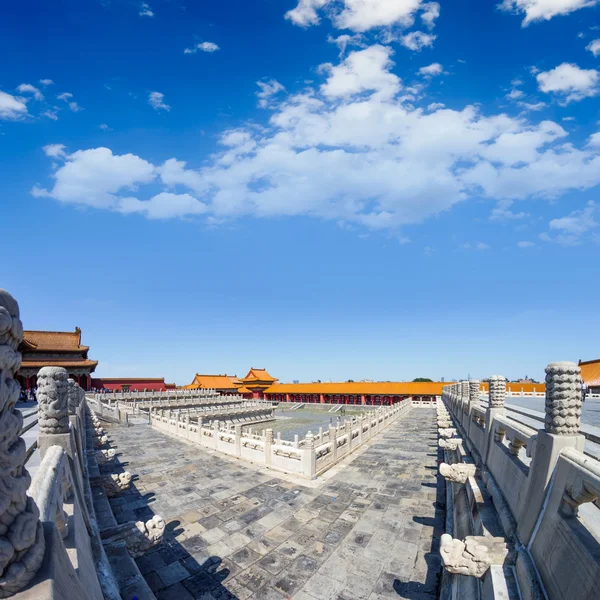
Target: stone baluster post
361, 419
296, 441
215, 428
561, 430
238, 440
269, 446
333, 440
348, 427
464, 394
54, 394
22, 540
496, 397
309, 456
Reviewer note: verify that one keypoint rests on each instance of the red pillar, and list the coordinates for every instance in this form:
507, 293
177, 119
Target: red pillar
321, 399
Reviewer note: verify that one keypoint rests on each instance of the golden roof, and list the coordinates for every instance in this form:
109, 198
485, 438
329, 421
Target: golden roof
53, 340
258, 375
590, 371
213, 382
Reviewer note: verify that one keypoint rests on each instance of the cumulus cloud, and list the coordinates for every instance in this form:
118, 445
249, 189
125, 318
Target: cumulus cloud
572, 228
345, 40
163, 206
431, 11
11, 108
569, 81
46, 82
27, 88
156, 101
66, 96
361, 71
145, 10
431, 70
268, 89
417, 40
594, 47
544, 10
51, 114
93, 177
363, 15
209, 47
55, 150
350, 148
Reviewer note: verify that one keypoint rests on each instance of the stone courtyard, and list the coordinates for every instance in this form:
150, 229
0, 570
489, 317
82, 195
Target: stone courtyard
367, 530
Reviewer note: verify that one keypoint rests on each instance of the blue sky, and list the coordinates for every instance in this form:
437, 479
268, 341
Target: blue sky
330, 189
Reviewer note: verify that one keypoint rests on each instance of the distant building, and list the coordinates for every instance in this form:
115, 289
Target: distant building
590, 373
224, 384
55, 349
257, 381
131, 384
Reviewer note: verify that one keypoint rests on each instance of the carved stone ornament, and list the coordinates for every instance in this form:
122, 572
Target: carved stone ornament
450, 444
473, 556
563, 398
444, 424
73, 395
100, 441
21, 535
457, 473
104, 456
52, 397
116, 483
447, 433
497, 391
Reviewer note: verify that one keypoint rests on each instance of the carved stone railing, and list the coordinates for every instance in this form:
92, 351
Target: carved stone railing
50, 541
303, 457
532, 493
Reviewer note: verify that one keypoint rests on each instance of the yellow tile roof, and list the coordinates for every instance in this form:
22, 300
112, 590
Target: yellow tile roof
376, 388
258, 375
212, 382
590, 371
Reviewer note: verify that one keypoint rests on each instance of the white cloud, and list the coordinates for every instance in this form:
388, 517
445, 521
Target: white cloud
569, 81
345, 40
65, 96
573, 227
46, 81
74, 107
50, 114
363, 70
350, 148
27, 88
544, 10
594, 47
431, 70
155, 100
104, 127
594, 140
163, 206
525, 244
93, 177
55, 150
515, 94
435, 105
11, 108
209, 47
268, 89
531, 106
476, 246
145, 10
431, 11
363, 15
417, 40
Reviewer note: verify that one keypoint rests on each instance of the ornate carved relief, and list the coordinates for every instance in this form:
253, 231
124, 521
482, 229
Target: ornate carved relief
473, 556
457, 473
52, 397
21, 534
563, 398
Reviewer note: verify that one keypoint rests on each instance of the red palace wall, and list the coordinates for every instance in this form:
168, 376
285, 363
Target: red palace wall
135, 385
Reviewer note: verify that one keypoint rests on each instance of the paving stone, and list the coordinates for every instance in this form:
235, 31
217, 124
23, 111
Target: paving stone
369, 532
174, 592
173, 573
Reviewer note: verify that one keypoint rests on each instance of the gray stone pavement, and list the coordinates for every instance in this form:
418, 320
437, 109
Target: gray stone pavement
367, 531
